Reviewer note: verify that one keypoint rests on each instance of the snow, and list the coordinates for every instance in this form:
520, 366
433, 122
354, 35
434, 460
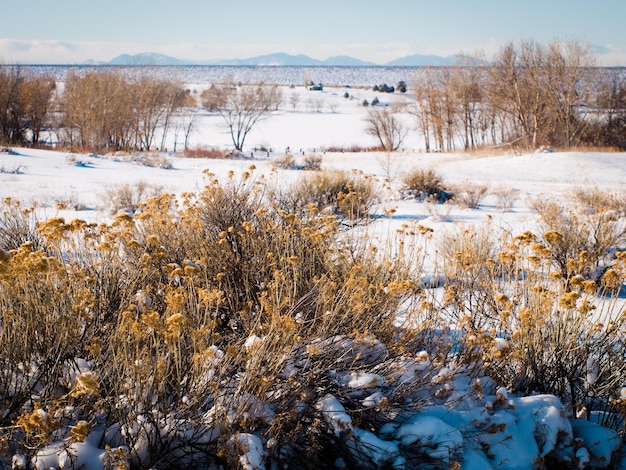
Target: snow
335, 415
252, 451
600, 442
428, 432
517, 431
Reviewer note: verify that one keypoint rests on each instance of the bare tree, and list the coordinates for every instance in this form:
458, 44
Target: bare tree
432, 107
385, 125
38, 97
12, 105
186, 120
23, 104
245, 106
571, 69
214, 97
294, 99
466, 82
106, 110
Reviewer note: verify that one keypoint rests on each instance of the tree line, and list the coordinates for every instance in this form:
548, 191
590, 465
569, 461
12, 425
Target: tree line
97, 111
529, 95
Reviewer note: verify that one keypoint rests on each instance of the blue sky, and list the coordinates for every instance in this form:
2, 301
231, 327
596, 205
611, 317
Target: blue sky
73, 31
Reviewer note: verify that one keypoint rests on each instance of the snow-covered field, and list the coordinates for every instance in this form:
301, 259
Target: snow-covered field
84, 183
296, 75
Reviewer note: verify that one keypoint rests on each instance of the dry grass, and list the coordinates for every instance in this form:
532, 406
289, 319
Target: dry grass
201, 152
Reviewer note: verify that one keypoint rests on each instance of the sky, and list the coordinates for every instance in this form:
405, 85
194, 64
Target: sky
74, 31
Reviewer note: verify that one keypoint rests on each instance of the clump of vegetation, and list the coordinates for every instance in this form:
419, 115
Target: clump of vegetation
425, 184
584, 241
505, 198
384, 88
18, 225
285, 162
127, 197
170, 328
348, 195
312, 161
154, 160
470, 195
200, 152
532, 326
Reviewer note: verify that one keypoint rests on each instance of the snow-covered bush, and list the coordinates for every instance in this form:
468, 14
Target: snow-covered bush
532, 327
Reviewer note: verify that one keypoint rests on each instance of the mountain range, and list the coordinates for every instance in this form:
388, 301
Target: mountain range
280, 59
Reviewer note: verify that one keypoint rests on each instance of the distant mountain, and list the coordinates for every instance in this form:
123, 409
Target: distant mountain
419, 60
345, 60
280, 59
146, 58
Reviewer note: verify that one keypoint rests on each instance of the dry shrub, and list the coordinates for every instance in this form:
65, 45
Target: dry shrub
127, 197
505, 198
470, 195
198, 321
183, 328
529, 326
582, 242
285, 162
17, 225
424, 184
348, 195
595, 200
312, 161
201, 152
309, 162
154, 160
439, 211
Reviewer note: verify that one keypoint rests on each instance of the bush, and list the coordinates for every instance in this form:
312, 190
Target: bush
425, 185
532, 328
18, 225
154, 160
582, 242
195, 330
286, 162
346, 195
505, 198
470, 195
200, 152
127, 197
187, 325
312, 162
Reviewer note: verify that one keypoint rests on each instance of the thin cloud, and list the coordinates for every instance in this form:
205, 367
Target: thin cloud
77, 52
